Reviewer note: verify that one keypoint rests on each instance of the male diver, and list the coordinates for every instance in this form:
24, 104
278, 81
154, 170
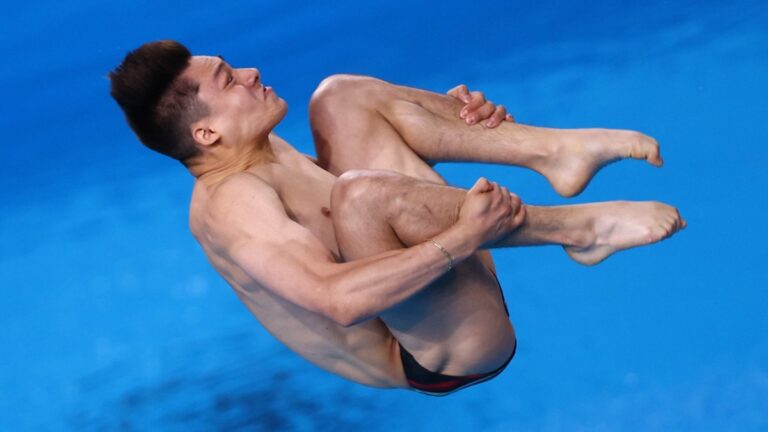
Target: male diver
365, 262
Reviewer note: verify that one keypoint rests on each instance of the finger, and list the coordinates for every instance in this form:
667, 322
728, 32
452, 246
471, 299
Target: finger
481, 113
460, 92
494, 186
510, 118
497, 117
497, 196
519, 217
477, 100
506, 199
504, 194
454, 91
480, 186
516, 202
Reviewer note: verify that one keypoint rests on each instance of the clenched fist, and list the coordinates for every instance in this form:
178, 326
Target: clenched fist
489, 212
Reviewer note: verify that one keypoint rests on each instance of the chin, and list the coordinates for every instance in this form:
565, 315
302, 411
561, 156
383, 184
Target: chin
280, 113
265, 121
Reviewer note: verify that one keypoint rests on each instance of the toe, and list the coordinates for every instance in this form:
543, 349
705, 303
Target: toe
680, 220
655, 158
652, 151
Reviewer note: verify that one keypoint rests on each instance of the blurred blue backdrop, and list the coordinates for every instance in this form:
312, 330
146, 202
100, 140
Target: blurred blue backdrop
112, 318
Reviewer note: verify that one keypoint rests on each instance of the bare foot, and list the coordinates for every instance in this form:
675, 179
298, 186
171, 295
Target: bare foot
619, 225
582, 152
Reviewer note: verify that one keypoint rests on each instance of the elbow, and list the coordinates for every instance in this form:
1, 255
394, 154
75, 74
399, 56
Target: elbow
339, 308
346, 320
343, 315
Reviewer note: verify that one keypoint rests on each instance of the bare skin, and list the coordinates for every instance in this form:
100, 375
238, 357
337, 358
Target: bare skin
426, 123
414, 129
277, 227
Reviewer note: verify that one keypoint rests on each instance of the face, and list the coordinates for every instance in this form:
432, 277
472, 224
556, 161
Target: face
241, 108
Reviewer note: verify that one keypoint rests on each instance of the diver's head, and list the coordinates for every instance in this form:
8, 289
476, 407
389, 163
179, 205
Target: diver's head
186, 106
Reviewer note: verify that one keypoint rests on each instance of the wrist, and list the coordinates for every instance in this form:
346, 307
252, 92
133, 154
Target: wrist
445, 252
459, 242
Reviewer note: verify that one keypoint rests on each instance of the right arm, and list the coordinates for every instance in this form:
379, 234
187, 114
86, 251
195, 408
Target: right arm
254, 232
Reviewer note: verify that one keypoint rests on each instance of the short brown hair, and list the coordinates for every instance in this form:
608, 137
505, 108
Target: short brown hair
159, 105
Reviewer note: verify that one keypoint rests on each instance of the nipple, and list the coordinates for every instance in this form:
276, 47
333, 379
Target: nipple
325, 211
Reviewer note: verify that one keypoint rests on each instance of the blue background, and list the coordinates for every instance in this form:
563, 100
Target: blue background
112, 318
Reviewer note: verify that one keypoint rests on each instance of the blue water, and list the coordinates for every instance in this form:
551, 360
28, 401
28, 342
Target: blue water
112, 318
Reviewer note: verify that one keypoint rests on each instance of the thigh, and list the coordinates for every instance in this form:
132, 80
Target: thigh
350, 133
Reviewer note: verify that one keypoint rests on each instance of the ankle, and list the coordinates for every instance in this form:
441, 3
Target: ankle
541, 144
580, 239
581, 234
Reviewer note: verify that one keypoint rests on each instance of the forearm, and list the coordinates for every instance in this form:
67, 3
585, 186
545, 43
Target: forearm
362, 289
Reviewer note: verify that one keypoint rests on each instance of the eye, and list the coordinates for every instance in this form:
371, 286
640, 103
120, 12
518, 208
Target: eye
230, 78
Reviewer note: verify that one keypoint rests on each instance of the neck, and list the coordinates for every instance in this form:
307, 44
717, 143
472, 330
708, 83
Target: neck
221, 162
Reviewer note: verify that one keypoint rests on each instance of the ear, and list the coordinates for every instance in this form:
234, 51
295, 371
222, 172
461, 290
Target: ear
204, 133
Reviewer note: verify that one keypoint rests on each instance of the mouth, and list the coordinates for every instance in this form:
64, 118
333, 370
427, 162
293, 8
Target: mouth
266, 90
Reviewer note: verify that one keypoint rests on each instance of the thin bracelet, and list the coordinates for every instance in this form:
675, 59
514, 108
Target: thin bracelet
445, 252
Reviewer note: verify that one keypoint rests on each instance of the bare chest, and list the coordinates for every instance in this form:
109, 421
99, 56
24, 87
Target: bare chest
307, 201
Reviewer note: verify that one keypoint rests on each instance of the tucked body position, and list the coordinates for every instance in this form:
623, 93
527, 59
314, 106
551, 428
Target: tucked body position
364, 261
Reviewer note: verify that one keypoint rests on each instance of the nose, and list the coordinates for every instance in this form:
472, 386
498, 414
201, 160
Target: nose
252, 76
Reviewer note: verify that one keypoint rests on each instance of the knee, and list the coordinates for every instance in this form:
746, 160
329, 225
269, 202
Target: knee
335, 86
352, 186
361, 190
340, 108
339, 91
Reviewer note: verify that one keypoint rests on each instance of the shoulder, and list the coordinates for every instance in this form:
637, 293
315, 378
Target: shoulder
241, 207
240, 187
244, 193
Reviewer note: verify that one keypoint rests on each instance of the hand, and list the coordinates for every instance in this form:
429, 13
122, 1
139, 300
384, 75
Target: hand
477, 109
490, 211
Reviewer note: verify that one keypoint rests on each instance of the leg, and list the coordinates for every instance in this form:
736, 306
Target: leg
458, 325
589, 233
361, 122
